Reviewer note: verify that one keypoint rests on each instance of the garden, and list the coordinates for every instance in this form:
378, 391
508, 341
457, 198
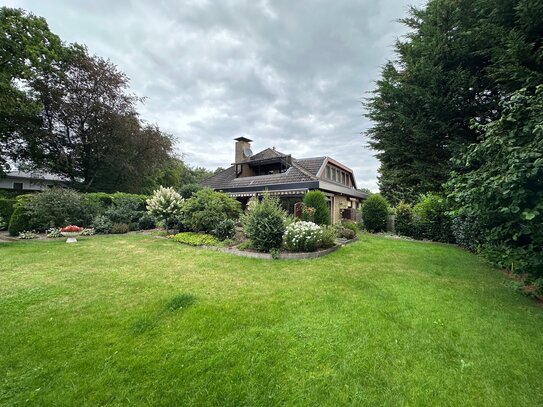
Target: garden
204, 218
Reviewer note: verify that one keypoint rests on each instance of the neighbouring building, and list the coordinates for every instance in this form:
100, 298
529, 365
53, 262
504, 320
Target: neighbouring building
29, 181
288, 178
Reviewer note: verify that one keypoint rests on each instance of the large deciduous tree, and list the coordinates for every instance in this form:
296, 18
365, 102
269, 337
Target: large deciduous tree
459, 60
28, 49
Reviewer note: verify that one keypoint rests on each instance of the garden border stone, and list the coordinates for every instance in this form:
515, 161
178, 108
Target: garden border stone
282, 255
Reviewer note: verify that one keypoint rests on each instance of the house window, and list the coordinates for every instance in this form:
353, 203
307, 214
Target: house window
18, 186
328, 172
343, 178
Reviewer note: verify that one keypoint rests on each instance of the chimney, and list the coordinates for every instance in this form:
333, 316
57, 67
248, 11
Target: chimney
243, 149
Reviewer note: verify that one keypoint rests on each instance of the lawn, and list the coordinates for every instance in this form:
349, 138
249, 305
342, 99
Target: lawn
133, 319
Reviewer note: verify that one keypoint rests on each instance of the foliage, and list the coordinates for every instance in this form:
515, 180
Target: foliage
265, 223
431, 219
374, 213
58, 207
3, 223
302, 236
53, 233
317, 200
7, 208
187, 190
28, 49
165, 204
445, 73
127, 210
119, 228
196, 239
101, 224
349, 224
27, 235
345, 233
225, 229
88, 232
207, 208
404, 219
329, 235
146, 222
466, 231
20, 220
498, 183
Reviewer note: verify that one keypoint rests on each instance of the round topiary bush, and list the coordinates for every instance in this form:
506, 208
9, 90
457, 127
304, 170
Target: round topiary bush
374, 213
265, 224
317, 201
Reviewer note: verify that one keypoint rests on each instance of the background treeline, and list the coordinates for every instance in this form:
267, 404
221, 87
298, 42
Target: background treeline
459, 115
70, 113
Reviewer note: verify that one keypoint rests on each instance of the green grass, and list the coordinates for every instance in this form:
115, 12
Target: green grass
133, 319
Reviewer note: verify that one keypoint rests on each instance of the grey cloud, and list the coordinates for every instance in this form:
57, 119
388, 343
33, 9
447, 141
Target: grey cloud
289, 74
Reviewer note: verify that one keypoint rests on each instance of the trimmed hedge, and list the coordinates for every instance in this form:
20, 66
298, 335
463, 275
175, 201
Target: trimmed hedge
375, 213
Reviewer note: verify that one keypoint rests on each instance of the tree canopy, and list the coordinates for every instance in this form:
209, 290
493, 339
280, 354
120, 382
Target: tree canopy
459, 60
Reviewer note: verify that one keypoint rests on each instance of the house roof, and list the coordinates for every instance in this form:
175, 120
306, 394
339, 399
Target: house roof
43, 176
302, 171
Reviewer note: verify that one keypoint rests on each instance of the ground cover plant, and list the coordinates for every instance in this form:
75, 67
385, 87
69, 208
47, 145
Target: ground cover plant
132, 319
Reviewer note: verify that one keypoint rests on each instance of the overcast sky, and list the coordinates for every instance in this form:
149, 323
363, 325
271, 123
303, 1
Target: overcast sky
290, 73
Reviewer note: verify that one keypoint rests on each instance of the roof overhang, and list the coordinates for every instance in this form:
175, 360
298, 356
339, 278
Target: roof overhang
270, 188
333, 187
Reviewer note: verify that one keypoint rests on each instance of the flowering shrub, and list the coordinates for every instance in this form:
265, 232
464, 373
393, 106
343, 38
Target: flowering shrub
303, 236
165, 204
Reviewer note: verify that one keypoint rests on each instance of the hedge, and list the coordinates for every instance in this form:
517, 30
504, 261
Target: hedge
6, 208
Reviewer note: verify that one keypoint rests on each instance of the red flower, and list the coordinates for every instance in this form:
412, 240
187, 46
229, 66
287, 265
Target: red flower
71, 228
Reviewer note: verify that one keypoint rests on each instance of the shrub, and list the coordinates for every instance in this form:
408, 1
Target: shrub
466, 231
265, 223
119, 228
328, 238
196, 239
26, 235
431, 218
58, 207
20, 219
7, 208
346, 233
207, 208
226, 229
146, 222
302, 236
125, 209
165, 204
88, 232
375, 213
349, 224
3, 224
187, 190
53, 233
102, 224
317, 200
404, 219
499, 183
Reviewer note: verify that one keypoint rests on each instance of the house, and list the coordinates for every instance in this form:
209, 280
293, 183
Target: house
29, 181
288, 178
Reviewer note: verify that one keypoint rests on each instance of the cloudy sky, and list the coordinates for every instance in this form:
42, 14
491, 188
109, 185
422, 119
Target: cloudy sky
289, 74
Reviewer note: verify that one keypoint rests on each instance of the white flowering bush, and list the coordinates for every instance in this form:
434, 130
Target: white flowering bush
302, 236
165, 204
